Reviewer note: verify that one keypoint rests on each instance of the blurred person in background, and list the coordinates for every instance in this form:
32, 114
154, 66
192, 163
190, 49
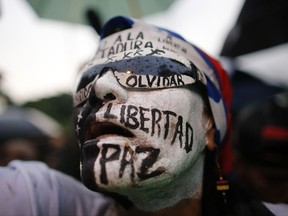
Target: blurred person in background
66, 157
261, 146
32, 188
30, 180
255, 52
28, 134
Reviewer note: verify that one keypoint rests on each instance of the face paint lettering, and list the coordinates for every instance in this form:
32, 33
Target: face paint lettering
140, 53
104, 159
136, 39
148, 162
149, 81
127, 160
154, 121
133, 53
82, 95
169, 41
189, 134
108, 114
142, 112
124, 43
167, 113
125, 157
129, 37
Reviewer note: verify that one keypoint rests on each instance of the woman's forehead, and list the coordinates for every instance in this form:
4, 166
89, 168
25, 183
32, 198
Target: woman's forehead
152, 65
144, 65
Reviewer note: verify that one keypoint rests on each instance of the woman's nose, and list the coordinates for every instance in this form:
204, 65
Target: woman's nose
107, 88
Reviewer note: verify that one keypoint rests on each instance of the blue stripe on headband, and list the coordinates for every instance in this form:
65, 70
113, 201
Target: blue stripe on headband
116, 24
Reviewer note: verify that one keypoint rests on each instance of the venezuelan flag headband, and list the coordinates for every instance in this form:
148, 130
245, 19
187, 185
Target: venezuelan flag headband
123, 39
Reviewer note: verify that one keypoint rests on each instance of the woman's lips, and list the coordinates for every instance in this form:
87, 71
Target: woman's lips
104, 129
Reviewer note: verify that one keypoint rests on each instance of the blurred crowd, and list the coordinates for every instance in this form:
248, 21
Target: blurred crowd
41, 132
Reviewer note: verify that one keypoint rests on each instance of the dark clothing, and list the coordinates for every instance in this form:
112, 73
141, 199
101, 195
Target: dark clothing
245, 204
236, 201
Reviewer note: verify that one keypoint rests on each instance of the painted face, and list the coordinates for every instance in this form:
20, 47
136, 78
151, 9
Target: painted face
140, 135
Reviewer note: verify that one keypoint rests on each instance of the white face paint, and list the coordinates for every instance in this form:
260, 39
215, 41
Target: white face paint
160, 161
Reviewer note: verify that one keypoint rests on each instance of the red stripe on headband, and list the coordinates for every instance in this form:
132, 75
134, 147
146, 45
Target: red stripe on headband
225, 155
274, 132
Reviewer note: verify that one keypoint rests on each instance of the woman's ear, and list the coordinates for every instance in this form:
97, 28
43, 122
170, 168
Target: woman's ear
210, 132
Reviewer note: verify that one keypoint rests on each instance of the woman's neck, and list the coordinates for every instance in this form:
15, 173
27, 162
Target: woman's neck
191, 207
171, 192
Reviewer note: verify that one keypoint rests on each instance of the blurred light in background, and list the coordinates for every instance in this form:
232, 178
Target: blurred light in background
41, 57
